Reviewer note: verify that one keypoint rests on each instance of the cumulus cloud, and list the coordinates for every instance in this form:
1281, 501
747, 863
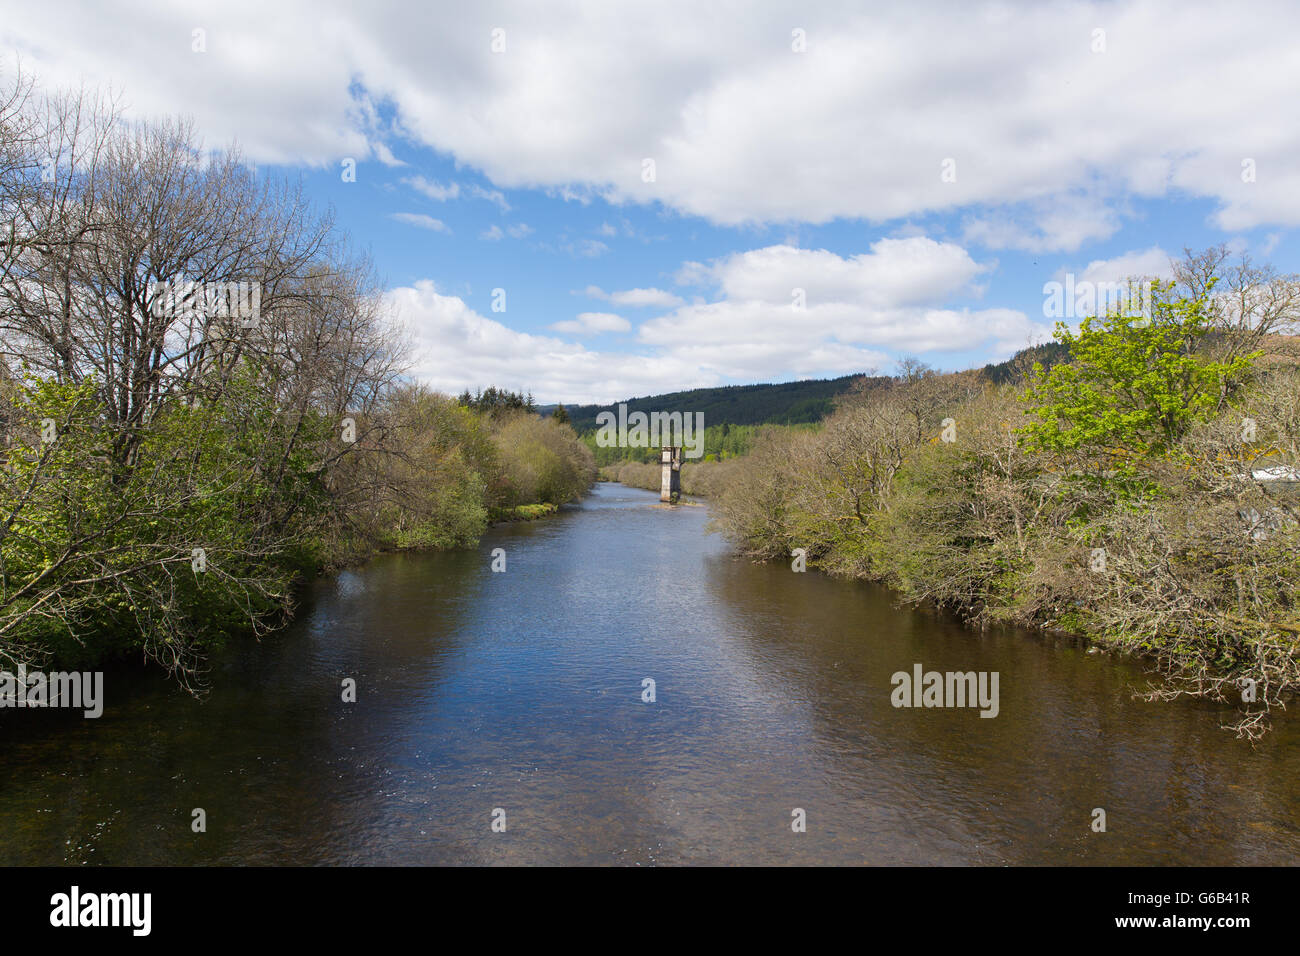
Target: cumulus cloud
815, 311
1151, 263
1058, 224
858, 313
895, 271
592, 323
456, 348
1183, 100
635, 298
421, 220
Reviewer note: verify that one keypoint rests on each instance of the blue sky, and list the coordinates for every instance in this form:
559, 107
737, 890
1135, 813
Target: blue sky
919, 174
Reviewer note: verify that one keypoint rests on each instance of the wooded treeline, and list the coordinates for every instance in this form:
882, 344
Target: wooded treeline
202, 398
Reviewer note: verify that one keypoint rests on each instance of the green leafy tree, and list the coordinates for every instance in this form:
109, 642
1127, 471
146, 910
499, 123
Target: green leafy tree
187, 546
1132, 388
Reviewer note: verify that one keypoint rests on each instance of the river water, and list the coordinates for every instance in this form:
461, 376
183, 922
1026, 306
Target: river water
522, 692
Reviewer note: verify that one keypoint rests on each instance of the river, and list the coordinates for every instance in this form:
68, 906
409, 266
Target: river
522, 691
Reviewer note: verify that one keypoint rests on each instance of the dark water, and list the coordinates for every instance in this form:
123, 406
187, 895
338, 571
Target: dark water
522, 690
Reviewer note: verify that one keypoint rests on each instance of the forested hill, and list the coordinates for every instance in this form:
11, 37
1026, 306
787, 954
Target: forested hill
788, 403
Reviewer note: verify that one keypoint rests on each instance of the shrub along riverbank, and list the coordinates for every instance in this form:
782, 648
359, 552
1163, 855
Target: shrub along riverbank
704, 479
1136, 493
202, 401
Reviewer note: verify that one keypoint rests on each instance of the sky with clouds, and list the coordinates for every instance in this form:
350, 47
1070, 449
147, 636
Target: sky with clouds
599, 200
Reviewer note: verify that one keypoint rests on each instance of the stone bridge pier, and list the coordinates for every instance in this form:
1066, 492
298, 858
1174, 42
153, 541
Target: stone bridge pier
670, 489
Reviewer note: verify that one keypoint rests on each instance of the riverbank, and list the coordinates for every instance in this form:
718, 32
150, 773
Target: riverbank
524, 690
1072, 620
161, 501
531, 512
424, 473
988, 500
701, 479
1178, 554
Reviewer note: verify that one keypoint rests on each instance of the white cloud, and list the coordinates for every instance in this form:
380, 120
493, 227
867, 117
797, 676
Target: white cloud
491, 195
1058, 224
813, 311
456, 348
385, 155
592, 323
421, 220
434, 190
441, 193
860, 312
586, 248
741, 128
517, 231
636, 298
894, 272
1153, 263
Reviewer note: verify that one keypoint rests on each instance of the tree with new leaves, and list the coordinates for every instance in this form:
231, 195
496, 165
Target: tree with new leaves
1132, 388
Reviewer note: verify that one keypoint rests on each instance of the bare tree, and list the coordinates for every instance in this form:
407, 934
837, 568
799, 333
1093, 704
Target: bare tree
1248, 303
206, 355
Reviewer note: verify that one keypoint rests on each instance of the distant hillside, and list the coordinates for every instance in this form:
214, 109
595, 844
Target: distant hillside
1020, 366
811, 400
789, 403
732, 413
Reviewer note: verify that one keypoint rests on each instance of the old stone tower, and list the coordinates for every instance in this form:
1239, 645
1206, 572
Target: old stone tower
670, 489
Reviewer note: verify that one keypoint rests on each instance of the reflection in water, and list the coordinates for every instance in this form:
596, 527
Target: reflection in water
523, 690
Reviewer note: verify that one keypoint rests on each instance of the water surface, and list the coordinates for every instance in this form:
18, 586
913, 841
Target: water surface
523, 691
